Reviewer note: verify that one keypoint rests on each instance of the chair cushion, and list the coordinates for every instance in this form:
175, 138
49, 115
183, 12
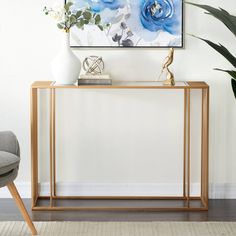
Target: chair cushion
8, 162
9, 143
9, 177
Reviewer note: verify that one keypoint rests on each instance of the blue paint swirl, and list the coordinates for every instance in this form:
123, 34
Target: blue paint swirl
100, 5
158, 15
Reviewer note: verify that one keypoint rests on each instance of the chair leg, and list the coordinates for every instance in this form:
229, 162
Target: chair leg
20, 204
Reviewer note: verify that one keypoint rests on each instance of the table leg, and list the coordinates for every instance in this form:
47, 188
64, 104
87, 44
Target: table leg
184, 151
188, 123
205, 146
52, 147
34, 146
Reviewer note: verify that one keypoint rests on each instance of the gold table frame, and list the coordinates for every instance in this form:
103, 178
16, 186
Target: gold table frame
186, 197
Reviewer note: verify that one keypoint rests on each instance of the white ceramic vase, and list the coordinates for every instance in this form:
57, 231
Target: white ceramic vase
66, 66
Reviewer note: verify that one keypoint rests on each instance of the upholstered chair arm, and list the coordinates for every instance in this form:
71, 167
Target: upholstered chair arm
9, 143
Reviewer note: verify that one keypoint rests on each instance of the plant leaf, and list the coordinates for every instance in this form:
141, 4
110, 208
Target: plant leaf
80, 24
222, 15
87, 15
60, 26
68, 5
230, 72
86, 22
222, 50
97, 19
233, 83
100, 27
78, 14
73, 19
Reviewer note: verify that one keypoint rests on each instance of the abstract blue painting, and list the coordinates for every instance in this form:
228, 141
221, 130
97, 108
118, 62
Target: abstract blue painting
132, 23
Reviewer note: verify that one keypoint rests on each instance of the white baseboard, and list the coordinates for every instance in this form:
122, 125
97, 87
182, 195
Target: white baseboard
216, 191
222, 191
24, 189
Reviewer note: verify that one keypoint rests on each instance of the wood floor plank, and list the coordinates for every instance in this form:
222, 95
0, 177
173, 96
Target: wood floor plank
219, 210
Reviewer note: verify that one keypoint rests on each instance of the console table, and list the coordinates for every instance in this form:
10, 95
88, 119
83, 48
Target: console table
188, 202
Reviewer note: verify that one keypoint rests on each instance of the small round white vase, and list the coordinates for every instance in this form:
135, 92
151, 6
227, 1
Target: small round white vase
66, 66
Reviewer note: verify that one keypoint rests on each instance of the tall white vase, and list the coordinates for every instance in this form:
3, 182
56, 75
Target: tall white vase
66, 66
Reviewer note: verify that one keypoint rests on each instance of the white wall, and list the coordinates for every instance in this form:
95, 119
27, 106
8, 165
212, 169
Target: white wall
28, 43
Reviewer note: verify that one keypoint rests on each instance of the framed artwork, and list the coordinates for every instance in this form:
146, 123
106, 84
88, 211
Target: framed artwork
132, 23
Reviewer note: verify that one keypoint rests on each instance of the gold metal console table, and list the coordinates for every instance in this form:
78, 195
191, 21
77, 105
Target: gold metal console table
188, 202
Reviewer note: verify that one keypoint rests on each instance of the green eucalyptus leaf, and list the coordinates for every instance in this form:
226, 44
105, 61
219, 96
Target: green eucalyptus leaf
87, 15
72, 19
68, 5
221, 14
78, 14
100, 27
97, 19
80, 24
60, 26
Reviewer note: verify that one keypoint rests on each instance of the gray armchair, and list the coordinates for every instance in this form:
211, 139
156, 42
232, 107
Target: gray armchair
9, 165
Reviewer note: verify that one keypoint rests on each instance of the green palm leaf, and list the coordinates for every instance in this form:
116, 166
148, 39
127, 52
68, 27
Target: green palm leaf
221, 14
230, 22
222, 50
232, 73
233, 83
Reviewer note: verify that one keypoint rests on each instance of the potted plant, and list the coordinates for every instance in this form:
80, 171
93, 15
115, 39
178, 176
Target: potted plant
230, 22
66, 66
